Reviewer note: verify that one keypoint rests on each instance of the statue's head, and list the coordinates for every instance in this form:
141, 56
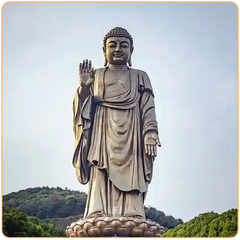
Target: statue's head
118, 47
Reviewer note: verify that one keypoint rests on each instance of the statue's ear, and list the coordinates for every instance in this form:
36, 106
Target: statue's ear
105, 58
130, 59
130, 62
105, 61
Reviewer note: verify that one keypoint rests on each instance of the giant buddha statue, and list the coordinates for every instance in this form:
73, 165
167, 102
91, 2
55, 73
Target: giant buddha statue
116, 137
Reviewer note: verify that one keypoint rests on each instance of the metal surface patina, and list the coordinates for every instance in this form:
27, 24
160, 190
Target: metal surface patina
116, 139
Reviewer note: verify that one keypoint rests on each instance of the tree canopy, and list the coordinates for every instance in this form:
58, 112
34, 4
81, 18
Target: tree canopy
18, 224
209, 224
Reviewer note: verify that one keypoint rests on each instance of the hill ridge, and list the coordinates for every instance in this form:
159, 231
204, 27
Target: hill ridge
54, 202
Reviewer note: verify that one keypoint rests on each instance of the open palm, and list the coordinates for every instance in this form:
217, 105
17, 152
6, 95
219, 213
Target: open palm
151, 141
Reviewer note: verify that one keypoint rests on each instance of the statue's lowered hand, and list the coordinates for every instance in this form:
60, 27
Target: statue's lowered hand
151, 141
86, 73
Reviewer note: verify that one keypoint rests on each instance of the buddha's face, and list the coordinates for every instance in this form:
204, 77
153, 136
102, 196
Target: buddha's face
118, 50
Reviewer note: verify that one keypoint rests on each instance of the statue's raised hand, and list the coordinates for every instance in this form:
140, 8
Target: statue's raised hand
86, 73
151, 141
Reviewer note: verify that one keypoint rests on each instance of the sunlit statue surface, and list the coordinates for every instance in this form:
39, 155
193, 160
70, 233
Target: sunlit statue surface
116, 132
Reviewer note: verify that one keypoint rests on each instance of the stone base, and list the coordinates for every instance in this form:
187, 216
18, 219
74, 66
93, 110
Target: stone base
115, 227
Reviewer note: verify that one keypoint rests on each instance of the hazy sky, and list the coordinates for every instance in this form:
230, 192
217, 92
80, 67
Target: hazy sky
189, 51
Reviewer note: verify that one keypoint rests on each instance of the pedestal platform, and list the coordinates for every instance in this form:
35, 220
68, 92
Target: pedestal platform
115, 227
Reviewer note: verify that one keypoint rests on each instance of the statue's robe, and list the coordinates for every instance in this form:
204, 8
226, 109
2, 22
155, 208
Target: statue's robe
109, 151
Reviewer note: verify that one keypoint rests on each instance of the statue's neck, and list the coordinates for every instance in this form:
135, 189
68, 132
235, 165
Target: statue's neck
117, 67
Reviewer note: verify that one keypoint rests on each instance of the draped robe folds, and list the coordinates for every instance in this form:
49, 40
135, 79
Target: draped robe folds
109, 149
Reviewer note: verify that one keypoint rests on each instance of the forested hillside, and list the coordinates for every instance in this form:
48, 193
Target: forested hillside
208, 225
47, 202
60, 206
45, 212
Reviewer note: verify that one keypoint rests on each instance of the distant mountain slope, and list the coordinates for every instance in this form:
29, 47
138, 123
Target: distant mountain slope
47, 202
59, 205
208, 225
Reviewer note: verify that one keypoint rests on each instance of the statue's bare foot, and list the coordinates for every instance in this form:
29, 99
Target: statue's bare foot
97, 214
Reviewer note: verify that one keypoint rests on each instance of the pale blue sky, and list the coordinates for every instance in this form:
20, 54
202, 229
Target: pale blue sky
189, 51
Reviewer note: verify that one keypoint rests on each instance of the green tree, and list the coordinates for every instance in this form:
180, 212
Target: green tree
18, 224
207, 225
